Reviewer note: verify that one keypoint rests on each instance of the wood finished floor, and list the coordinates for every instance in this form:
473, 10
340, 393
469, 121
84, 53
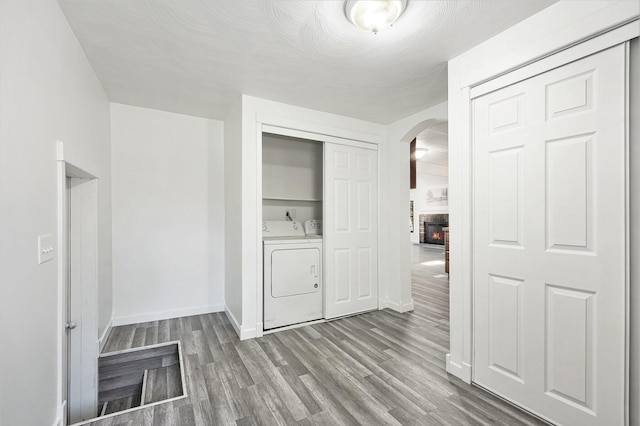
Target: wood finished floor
372, 369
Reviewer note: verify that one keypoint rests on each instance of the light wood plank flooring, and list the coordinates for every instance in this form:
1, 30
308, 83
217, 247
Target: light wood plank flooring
372, 369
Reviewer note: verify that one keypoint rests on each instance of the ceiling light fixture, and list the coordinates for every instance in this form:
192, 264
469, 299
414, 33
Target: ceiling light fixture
374, 15
420, 152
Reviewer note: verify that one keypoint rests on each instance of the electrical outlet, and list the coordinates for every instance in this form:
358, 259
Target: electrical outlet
290, 213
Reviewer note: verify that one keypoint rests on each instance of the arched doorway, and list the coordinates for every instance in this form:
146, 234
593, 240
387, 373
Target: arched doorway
426, 267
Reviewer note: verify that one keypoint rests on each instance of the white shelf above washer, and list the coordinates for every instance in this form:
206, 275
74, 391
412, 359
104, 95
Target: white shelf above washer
312, 200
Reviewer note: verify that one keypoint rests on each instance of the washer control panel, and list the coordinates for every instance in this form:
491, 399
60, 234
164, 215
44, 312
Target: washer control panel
313, 227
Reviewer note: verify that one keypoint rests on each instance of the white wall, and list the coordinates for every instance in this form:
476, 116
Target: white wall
233, 214
216, 210
162, 224
291, 168
560, 25
431, 181
304, 210
291, 178
48, 92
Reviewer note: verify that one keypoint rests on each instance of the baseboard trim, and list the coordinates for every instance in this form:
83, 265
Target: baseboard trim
234, 322
384, 304
60, 415
398, 307
243, 332
162, 315
105, 335
461, 371
248, 333
407, 307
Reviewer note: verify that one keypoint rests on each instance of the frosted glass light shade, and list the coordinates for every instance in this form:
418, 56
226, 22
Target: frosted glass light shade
420, 152
374, 15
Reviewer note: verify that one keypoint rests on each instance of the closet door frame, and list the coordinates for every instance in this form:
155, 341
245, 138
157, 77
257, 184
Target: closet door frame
281, 126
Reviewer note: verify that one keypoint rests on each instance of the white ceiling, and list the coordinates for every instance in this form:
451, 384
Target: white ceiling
197, 56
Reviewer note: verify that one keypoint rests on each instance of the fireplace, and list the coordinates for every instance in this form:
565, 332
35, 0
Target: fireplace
433, 233
431, 228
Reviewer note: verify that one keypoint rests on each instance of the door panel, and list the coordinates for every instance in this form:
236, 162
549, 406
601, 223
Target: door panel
341, 196
505, 204
505, 326
569, 188
569, 345
549, 241
339, 284
570, 96
350, 230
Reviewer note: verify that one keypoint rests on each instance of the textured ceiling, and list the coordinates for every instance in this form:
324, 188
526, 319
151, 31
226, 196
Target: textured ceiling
197, 56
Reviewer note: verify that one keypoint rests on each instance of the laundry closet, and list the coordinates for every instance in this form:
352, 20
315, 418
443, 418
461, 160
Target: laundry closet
319, 229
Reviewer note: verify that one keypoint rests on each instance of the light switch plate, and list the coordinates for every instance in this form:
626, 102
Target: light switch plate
45, 248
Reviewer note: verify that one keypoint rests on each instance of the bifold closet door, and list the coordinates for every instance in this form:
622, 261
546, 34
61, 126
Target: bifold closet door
350, 229
549, 241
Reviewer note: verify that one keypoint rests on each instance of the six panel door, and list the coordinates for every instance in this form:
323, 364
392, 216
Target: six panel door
549, 241
350, 230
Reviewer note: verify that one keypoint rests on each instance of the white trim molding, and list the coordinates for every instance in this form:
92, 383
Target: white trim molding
105, 335
61, 414
314, 131
407, 307
395, 306
634, 226
168, 314
243, 332
234, 322
248, 333
387, 304
461, 371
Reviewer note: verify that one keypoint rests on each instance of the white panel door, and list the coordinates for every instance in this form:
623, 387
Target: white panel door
350, 229
549, 241
82, 321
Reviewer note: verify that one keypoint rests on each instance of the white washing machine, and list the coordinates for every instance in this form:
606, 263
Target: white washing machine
292, 274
